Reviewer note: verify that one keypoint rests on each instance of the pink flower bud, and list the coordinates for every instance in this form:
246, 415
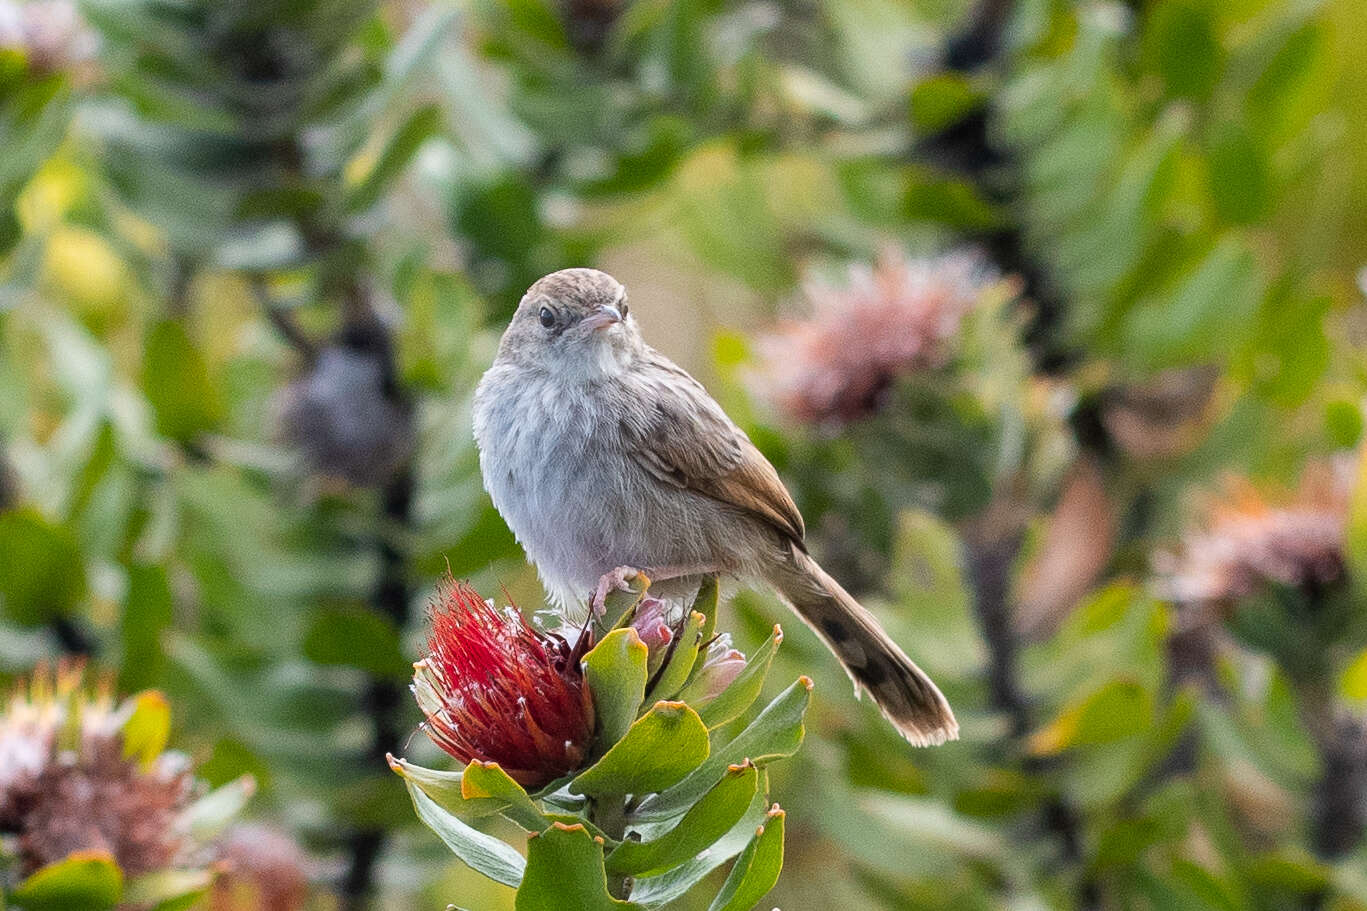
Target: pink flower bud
651, 624
721, 667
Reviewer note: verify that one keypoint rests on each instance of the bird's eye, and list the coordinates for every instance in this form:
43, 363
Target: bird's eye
623, 309
546, 316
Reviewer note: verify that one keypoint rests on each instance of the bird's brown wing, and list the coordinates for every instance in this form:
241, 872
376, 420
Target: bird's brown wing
683, 437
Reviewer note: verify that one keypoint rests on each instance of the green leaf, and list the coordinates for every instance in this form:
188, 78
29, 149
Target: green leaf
88, 880
756, 870
1287, 351
1117, 710
446, 790
616, 673
356, 636
147, 612
1353, 680
706, 604
147, 729
565, 870
659, 749
207, 817
709, 819
682, 656
1240, 184
488, 781
663, 888
943, 100
1343, 423
1181, 39
394, 158
777, 732
41, 573
176, 381
743, 691
168, 890
482, 853
945, 200
1205, 317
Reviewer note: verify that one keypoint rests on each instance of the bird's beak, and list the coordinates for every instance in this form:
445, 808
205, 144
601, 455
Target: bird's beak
602, 318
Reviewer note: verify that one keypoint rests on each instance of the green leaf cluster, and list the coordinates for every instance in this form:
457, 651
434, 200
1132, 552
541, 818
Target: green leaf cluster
671, 790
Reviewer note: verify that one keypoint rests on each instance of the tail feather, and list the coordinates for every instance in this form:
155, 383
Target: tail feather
907, 697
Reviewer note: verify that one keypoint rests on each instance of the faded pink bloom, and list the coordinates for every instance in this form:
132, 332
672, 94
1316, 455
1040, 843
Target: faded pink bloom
263, 870
1248, 541
49, 33
65, 785
898, 317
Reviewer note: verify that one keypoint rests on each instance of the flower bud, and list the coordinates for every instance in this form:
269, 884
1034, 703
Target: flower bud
651, 624
721, 666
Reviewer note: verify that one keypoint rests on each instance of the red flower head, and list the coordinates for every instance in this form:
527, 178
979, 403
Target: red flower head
495, 690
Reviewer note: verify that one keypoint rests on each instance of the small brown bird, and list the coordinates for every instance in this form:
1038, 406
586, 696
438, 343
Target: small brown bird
600, 453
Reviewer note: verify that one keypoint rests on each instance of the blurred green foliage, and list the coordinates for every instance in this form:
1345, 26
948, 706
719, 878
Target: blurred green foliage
199, 201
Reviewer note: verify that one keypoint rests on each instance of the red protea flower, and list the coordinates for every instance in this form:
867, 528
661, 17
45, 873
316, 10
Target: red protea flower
899, 316
496, 690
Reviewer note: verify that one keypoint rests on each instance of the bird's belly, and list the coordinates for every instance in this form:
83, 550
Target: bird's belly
570, 500
582, 507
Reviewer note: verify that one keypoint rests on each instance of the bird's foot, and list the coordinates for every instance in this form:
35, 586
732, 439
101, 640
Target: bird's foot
608, 583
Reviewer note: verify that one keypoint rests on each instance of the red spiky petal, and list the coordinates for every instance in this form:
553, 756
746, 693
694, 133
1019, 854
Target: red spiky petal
496, 690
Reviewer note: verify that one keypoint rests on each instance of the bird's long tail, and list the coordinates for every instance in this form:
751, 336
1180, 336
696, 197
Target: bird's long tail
908, 698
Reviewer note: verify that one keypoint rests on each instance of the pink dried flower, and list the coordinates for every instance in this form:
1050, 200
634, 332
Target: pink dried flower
49, 33
898, 317
263, 870
494, 689
1248, 541
66, 786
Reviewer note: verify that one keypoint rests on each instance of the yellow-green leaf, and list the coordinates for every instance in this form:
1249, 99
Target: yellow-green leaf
147, 729
616, 673
660, 749
756, 870
682, 657
446, 790
564, 871
88, 880
488, 781
708, 820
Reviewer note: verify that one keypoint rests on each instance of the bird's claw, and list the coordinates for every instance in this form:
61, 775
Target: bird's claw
607, 584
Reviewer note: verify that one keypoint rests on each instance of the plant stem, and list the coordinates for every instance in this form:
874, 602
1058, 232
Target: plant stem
610, 814
383, 697
992, 543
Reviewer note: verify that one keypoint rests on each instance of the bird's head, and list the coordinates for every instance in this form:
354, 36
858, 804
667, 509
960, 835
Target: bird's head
574, 322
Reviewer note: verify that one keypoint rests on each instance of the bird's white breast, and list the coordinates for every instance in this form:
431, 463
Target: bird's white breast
540, 454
